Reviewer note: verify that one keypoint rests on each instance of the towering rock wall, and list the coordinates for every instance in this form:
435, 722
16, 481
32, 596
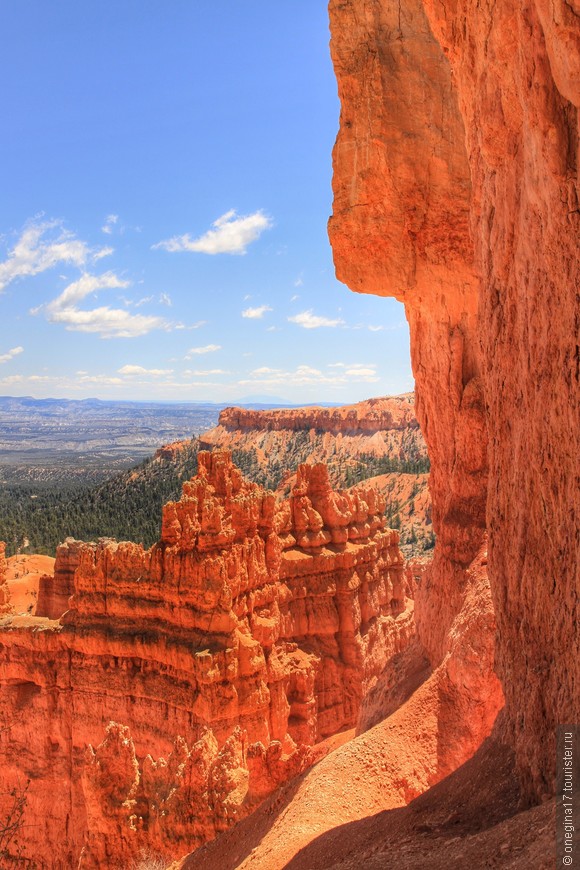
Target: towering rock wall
4, 590
456, 190
185, 682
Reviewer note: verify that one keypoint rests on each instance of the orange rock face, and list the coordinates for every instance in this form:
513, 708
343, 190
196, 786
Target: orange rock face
54, 590
5, 606
456, 190
438, 718
184, 683
371, 416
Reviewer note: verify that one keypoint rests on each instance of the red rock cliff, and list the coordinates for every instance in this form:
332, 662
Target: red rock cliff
185, 682
4, 590
456, 190
370, 416
383, 427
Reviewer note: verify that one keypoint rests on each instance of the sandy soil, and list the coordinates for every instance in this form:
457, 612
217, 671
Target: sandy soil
468, 821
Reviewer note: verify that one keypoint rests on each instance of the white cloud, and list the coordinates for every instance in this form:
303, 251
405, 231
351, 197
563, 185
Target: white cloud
208, 348
305, 375
83, 287
42, 246
294, 298
196, 325
204, 373
110, 222
230, 235
145, 300
265, 370
165, 299
361, 372
102, 252
107, 322
139, 370
308, 320
256, 313
101, 379
376, 328
21, 379
10, 354
104, 321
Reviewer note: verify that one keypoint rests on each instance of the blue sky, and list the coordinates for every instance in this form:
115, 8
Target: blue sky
165, 170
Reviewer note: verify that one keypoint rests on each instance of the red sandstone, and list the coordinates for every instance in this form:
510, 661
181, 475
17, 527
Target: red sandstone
456, 190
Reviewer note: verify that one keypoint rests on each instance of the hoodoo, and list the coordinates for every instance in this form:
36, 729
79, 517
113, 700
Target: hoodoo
184, 683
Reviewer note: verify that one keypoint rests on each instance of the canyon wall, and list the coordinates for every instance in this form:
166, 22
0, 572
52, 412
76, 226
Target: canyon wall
370, 416
4, 590
377, 439
184, 683
383, 427
456, 190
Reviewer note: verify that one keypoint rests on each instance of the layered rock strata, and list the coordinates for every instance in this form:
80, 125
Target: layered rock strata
435, 721
456, 190
54, 590
385, 427
185, 682
368, 417
371, 437
4, 590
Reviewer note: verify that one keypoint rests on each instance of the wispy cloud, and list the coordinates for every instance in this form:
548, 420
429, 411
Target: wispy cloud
110, 222
145, 300
256, 313
196, 325
10, 354
101, 379
362, 372
104, 321
165, 299
357, 371
309, 320
131, 370
26, 379
205, 372
42, 246
376, 328
305, 375
231, 234
208, 348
